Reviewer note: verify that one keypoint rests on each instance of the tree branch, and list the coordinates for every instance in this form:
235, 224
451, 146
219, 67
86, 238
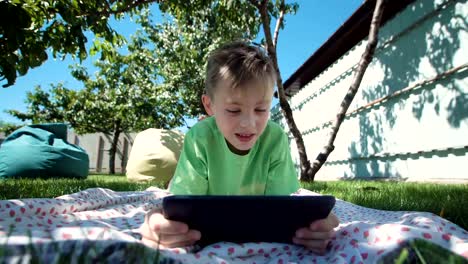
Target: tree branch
278, 23
284, 104
266, 29
361, 69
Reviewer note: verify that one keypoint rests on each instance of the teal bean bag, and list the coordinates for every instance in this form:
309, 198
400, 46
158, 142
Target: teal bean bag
42, 151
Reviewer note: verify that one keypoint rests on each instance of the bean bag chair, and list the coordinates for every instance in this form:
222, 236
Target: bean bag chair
42, 151
154, 155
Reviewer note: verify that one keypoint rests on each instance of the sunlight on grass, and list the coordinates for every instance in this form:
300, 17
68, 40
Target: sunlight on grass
401, 196
48, 188
396, 196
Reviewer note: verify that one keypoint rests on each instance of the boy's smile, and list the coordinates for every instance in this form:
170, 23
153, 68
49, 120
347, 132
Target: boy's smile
241, 113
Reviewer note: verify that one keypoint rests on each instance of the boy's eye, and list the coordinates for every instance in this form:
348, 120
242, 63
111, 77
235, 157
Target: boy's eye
232, 111
260, 110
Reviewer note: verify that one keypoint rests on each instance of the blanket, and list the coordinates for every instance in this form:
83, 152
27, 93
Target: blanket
100, 224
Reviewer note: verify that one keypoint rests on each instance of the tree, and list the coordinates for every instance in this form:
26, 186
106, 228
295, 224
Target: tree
45, 106
8, 128
189, 32
264, 7
29, 27
123, 96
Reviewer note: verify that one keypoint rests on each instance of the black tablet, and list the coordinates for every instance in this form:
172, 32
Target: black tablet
246, 218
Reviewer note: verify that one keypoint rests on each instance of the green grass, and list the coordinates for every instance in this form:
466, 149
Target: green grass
48, 188
421, 251
448, 200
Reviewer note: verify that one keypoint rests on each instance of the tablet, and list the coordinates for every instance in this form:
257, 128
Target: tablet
242, 219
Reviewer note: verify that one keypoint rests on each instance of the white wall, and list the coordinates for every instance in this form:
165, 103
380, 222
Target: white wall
418, 135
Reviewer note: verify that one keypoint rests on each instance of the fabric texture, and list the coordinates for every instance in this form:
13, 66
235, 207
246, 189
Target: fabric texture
42, 151
207, 166
154, 155
100, 225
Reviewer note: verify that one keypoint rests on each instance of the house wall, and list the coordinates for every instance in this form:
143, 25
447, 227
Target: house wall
420, 133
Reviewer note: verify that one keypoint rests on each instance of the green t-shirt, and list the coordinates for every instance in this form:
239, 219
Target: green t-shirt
207, 166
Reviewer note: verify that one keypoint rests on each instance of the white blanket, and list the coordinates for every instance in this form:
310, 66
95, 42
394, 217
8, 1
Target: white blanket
102, 215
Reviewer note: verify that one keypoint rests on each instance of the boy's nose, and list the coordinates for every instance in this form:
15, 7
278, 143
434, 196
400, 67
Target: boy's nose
247, 120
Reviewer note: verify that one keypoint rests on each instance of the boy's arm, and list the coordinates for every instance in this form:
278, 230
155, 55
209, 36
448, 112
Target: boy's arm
190, 176
282, 177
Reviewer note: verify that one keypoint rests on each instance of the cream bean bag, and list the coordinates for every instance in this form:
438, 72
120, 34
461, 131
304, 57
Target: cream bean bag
154, 155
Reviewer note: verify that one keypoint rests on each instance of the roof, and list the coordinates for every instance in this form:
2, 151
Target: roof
353, 30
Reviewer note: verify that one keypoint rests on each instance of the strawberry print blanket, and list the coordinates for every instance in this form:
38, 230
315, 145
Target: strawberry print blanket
102, 225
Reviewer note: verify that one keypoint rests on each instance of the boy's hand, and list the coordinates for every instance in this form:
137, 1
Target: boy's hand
317, 236
158, 232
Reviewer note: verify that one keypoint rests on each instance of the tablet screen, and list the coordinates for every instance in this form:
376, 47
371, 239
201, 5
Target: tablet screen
246, 218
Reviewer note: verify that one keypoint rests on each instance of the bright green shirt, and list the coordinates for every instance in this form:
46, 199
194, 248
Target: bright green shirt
207, 166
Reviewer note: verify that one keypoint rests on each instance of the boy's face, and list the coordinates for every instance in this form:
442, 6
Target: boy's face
241, 114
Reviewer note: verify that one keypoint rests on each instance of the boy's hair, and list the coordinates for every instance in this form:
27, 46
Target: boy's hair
238, 63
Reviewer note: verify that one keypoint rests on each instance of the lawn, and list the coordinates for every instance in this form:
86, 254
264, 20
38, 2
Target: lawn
447, 200
450, 201
38, 188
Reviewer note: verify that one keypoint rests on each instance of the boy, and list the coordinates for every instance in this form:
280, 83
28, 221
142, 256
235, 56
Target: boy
237, 150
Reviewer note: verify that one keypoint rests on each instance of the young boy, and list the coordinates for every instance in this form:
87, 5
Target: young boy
237, 150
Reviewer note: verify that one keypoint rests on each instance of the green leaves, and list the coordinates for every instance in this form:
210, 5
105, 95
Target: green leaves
8, 128
188, 33
28, 28
124, 91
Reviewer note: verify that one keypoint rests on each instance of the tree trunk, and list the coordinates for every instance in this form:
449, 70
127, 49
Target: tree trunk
113, 149
284, 104
363, 63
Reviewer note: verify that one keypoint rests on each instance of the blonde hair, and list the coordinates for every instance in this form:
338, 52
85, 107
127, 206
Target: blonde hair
238, 63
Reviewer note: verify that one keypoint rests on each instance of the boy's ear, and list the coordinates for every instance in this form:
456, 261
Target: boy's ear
207, 103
